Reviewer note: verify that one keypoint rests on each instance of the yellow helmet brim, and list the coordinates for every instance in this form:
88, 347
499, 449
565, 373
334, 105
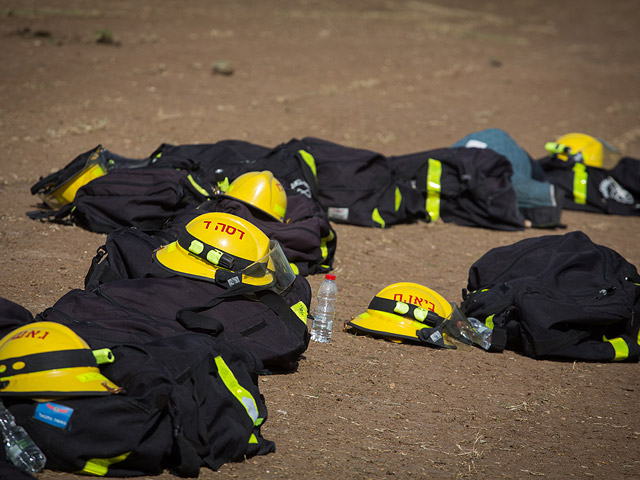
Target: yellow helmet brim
386, 325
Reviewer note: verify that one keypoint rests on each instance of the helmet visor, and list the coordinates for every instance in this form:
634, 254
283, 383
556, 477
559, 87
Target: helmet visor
274, 267
461, 331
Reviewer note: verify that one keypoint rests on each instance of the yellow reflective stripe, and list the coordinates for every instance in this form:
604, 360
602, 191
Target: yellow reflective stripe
253, 438
580, 183
324, 251
434, 187
619, 346
489, 321
295, 268
323, 244
398, 199
376, 217
301, 311
238, 391
223, 185
197, 187
100, 466
90, 377
309, 160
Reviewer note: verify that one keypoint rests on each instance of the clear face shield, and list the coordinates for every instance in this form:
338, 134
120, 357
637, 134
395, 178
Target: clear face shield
458, 331
462, 330
272, 271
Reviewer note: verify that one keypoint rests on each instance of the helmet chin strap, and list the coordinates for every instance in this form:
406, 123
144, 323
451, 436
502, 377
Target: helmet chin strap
434, 337
228, 279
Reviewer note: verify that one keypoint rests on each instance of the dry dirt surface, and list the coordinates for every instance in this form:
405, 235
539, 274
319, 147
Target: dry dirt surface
394, 76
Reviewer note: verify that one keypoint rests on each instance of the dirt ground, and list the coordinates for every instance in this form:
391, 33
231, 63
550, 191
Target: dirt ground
394, 76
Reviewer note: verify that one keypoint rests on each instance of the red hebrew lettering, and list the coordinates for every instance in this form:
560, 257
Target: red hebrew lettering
228, 229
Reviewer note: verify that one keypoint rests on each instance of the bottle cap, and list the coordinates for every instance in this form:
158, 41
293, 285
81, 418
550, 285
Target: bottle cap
328, 276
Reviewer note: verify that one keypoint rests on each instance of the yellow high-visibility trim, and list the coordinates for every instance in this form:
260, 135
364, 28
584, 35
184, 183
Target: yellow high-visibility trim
489, 321
242, 394
197, 186
580, 183
324, 251
89, 377
99, 467
398, 199
309, 160
376, 217
323, 244
295, 268
619, 346
223, 185
434, 187
301, 311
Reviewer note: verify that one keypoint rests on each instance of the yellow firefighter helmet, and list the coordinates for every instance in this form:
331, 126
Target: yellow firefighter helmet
48, 359
261, 190
226, 249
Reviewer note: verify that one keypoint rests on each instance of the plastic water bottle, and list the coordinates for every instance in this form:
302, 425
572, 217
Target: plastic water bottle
324, 312
19, 447
483, 333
